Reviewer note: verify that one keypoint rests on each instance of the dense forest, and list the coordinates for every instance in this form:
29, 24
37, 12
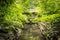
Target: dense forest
29, 19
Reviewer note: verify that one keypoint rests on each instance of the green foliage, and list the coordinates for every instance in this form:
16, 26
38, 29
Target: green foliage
49, 11
49, 6
48, 19
12, 13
